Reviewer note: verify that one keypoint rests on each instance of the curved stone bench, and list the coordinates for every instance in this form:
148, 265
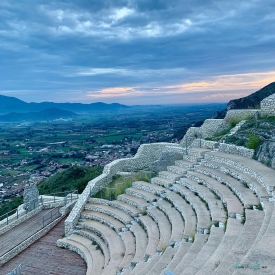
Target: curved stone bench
245, 195
159, 262
176, 221
254, 220
103, 218
152, 232
125, 207
118, 214
233, 229
177, 169
132, 245
139, 203
96, 239
191, 254
198, 152
141, 242
113, 241
149, 187
186, 211
83, 247
166, 183
215, 205
233, 204
252, 183
205, 253
164, 226
262, 250
169, 175
253, 168
147, 196
185, 164
182, 250
192, 159
202, 213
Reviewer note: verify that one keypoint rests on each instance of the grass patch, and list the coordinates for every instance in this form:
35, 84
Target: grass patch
253, 141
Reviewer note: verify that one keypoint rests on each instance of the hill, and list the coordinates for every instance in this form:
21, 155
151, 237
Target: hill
252, 101
47, 114
75, 177
12, 104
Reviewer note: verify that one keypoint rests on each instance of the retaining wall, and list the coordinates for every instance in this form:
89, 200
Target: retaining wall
147, 154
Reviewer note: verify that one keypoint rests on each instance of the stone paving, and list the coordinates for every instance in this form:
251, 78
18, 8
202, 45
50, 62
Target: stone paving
45, 258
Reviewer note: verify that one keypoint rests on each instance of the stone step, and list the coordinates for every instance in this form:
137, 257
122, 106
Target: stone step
141, 242
182, 250
131, 245
262, 252
215, 205
147, 196
133, 200
95, 255
156, 267
175, 219
194, 250
130, 210
94, 238
185, 164
149, 187
264, 175
251, 182
232, 203
233, 229
79, 249
191, 158
116, 213
245, 195
186, 212
112, 240
177, 169
102, 218
205, 253
202, 213
254, 219
169, 175
163, 225
162, 182
153, 234
198, 152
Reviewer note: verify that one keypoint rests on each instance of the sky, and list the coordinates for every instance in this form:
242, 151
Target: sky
136, 51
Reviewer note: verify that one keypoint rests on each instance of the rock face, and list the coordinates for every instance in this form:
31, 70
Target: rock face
252, 101
266, 153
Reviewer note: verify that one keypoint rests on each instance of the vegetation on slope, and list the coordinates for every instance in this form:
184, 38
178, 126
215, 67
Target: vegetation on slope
75, 177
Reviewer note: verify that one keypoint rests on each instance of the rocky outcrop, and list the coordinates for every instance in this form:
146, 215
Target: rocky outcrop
249, 102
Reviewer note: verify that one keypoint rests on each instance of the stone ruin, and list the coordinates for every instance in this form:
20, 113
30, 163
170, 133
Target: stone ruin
31, 195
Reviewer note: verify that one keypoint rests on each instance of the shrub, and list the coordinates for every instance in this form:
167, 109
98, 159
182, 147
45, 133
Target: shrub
253, 141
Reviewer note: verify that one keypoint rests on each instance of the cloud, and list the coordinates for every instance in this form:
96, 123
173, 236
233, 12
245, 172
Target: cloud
158, 48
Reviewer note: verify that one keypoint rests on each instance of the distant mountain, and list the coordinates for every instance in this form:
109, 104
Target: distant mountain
251, 101
47, 114
12, 104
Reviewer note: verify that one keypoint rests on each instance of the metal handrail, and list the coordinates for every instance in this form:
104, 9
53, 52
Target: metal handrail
36, 203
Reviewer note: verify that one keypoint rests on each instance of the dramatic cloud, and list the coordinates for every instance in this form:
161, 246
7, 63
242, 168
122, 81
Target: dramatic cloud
135, 51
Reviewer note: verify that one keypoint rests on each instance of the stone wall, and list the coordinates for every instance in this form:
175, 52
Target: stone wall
236, 150
268, 105
207, 144
147, 154
208, 129
239, 115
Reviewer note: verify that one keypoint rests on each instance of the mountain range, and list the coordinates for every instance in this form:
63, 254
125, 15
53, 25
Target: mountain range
47, 114
12, 104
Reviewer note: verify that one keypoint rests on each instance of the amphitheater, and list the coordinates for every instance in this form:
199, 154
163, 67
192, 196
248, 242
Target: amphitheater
210, 211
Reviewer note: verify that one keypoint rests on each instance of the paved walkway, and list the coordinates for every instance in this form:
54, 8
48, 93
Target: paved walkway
45, 258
